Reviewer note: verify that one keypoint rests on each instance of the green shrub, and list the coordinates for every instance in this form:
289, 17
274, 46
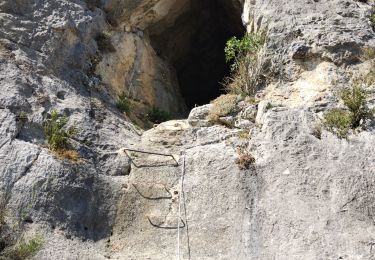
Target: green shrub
246, 63
340, 121
123, 104
372, 19
236, 50
354, 99
57, 135
157, 115
25, 249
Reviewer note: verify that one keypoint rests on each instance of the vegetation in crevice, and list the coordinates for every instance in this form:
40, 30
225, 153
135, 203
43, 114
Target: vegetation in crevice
221, 107
123, 104
58, 136
23, 249
354, 116
157, 115
246, 58
245, 159
12, 247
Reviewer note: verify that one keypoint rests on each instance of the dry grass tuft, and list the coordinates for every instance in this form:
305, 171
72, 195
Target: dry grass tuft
222, 106
245, 159
247, 57
248, 76
244, 135
368, 53
70, 155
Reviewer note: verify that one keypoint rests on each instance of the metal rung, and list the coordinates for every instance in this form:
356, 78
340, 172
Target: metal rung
155, 198
166, 227
145, 152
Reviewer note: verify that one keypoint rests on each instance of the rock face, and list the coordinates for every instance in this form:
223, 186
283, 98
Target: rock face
308, 195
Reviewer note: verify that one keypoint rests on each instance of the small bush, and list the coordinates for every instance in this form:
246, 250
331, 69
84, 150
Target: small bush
247, 63
123, 104
157, 116
57, 135
104, 42
354, 99
222, 106
245, 159
340, 121
237, 50
25, 249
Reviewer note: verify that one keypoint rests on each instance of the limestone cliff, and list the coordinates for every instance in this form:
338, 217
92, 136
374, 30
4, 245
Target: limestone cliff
307, 194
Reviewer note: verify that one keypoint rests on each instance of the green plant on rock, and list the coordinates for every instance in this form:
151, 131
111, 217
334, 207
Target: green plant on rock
237, 50
157, 115
340, 121
25, 249
246, 63
123, 104
354, 99
56, 132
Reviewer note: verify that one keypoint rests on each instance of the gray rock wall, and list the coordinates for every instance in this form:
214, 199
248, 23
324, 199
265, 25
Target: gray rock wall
304, 198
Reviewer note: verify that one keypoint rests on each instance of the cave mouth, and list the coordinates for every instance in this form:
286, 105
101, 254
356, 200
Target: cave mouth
194, 46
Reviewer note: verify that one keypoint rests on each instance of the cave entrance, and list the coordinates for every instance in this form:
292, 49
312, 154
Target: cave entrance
194, 46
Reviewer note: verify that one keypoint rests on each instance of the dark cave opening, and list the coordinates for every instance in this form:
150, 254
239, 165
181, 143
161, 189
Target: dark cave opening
195, 44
